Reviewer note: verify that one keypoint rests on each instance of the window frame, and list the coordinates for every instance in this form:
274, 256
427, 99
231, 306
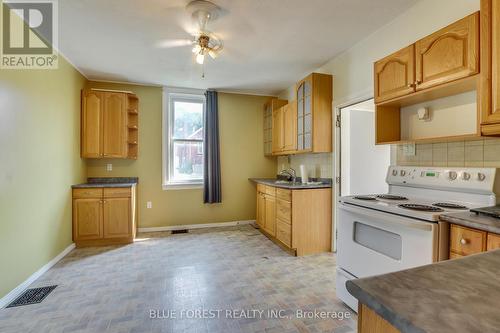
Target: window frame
170, 96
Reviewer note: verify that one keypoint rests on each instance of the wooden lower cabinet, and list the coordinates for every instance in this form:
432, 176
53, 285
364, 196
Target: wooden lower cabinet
299, 220
104, 216
466, 241
87, 218
270, 215
371, 322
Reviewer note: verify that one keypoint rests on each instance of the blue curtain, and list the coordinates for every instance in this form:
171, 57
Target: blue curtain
212, 184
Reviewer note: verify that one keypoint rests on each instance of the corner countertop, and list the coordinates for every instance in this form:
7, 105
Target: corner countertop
325, 183
454, 296
473, 220
108, 182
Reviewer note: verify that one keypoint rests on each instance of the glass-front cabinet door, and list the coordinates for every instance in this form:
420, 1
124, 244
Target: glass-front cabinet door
304, 115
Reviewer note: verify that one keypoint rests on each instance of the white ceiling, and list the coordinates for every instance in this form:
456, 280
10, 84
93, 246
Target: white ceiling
268, 44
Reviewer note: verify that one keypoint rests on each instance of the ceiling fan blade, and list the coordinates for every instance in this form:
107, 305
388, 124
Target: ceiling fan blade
170, 43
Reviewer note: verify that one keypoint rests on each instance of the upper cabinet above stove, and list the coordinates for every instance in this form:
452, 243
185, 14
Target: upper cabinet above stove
490, 67
443, 64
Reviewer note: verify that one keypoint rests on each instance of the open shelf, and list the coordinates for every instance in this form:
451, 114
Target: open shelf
388, 115
133, 127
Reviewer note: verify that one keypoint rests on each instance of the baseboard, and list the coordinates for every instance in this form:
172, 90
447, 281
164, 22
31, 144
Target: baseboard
196, 226
4, 301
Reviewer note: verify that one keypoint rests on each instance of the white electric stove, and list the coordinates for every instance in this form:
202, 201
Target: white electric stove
382, 233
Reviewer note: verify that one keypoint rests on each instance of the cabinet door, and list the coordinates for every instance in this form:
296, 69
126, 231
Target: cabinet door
117, 218
290, 127
277, 130
449, 54
91, 130
261, 210
300, 116
395, 75
490, 67
87, 219
115, 125
270, 219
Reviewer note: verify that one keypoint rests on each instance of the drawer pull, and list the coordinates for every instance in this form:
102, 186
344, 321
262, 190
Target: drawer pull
464, 241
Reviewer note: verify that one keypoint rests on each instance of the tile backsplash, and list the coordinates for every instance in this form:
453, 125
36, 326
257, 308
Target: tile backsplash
477, 153
317, 165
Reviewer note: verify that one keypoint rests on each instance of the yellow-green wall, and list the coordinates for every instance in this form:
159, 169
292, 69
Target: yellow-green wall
242, 156
39, 160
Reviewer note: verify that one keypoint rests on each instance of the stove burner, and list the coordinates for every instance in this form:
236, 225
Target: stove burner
391, 197
367, 198
449, 205
423, 208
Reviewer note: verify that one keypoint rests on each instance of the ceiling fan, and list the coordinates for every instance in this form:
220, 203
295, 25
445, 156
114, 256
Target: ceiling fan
204, 42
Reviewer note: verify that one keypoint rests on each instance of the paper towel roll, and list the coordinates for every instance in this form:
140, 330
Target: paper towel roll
303, 174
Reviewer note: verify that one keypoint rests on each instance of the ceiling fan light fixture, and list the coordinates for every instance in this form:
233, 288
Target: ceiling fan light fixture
196, 49
213, 54
200, 58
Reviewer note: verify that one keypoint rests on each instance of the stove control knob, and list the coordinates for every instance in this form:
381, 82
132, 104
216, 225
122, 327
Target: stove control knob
481, 176
402, 173
452, 175
394, 172
466, 176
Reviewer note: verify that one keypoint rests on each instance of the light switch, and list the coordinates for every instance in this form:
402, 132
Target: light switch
109, 167
149, 204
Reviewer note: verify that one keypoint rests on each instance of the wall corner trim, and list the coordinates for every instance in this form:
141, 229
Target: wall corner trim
196, 226
4, 301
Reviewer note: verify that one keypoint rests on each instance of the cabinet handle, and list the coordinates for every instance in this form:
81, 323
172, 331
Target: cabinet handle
464, 241
418, 82
411, 85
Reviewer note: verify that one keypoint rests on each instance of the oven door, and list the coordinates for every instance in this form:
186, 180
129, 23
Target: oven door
371, 242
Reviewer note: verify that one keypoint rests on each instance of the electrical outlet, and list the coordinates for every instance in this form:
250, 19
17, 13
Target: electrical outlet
149, 204
409, 149
109, 167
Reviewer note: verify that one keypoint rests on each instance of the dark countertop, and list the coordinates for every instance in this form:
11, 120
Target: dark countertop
108, 182
326, 183
473, 220
454, 296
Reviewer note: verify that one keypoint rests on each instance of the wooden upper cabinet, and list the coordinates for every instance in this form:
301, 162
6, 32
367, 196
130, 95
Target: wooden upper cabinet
314, 113
395, 75
278, 133
109, 124
115, 125
91, 136
449, 54
490, 68
290, 127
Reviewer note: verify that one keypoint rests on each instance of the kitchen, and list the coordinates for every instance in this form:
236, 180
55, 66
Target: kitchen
266, 229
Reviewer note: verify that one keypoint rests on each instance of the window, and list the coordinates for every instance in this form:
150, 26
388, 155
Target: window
183, 138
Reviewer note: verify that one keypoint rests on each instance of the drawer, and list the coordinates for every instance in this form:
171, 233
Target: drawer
493, 241
284, 194
284, 232
87, 193
261, 188
284, 211
466, 241
270, 190
117, 192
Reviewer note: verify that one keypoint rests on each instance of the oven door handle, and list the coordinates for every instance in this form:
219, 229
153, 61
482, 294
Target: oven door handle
393, 218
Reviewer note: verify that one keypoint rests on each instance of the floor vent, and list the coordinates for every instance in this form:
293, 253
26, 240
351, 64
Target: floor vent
182, 231
32, 296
